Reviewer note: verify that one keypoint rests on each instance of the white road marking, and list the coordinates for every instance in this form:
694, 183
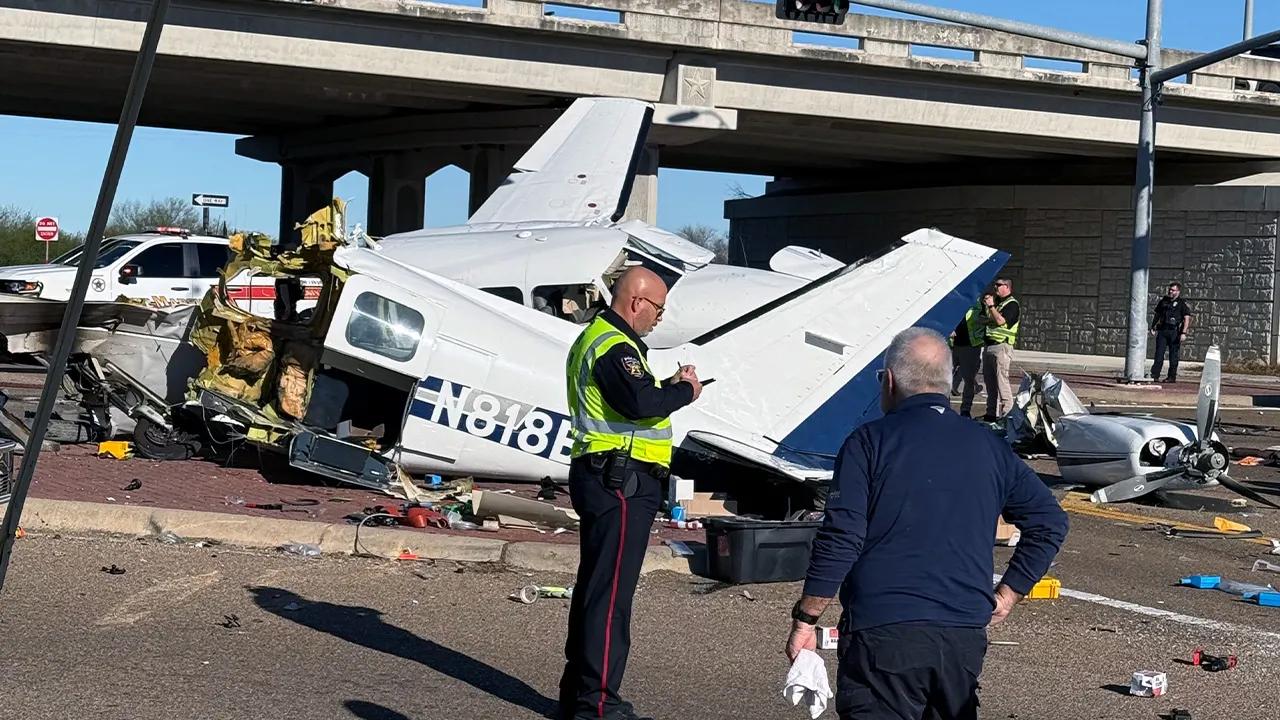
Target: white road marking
1163, 614
161, 596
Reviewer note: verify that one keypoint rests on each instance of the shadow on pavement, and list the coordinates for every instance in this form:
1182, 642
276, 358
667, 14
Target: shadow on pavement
365, 626
372, 711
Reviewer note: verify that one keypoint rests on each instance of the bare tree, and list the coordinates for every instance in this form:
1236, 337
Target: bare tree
709, 238
737, 192
133, 216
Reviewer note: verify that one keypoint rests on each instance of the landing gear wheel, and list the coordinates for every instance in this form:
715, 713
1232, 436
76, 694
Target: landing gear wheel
156, 443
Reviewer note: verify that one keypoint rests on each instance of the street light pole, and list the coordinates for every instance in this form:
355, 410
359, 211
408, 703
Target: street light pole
1248, 19
1139, 262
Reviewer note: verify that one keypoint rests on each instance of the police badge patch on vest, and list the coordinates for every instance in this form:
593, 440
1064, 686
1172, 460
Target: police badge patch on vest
633, 366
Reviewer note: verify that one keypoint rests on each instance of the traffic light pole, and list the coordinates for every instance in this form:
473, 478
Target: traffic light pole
75, 304
1143, 206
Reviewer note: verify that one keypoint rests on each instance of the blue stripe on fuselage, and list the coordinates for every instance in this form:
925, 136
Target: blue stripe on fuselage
858, 401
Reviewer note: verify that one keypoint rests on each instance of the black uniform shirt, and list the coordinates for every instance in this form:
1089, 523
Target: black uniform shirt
1170, 313
627, 386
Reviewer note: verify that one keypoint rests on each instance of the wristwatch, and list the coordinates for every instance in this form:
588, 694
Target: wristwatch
802, 616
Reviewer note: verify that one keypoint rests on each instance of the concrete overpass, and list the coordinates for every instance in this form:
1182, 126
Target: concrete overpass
399, 88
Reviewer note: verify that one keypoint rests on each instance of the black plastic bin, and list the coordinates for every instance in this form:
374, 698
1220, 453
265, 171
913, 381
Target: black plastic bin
758, 551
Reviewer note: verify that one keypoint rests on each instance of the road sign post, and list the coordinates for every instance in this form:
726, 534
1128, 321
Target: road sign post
47, 232
204, 201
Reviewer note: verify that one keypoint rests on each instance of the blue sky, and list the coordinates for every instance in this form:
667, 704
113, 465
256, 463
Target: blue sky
70, 156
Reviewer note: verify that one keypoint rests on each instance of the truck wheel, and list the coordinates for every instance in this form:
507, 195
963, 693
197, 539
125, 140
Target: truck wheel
156, 443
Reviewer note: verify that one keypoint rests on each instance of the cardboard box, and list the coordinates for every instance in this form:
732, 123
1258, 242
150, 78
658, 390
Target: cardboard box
680, 489
1149, 683
1006, 534
705, 504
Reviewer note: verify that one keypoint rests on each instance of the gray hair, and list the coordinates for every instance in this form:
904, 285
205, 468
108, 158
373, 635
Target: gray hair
920, 362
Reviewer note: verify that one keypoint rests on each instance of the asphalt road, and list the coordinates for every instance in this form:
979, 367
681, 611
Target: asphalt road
199, 633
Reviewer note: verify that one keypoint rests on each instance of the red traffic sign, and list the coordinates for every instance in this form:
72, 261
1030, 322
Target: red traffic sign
47, 229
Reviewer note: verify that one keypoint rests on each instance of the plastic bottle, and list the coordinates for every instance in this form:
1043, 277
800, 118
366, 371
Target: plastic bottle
457, 523
302, 549
1235, 587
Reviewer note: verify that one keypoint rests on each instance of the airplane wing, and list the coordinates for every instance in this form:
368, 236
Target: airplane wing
796, 376
803, 262
581, 169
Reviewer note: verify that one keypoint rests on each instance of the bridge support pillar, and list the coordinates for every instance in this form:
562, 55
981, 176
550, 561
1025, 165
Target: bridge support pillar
304, 188
490, 165
397, 192
643, 204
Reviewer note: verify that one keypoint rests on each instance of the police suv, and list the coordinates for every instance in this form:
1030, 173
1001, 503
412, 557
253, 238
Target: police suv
166, 267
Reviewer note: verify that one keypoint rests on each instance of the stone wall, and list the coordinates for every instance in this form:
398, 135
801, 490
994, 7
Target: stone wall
1069, 250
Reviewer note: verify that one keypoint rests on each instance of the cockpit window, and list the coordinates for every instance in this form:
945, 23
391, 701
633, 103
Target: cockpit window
575, 303
507, 293
384, 327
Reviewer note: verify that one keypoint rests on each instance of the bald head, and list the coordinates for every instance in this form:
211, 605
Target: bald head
918, 361
639, 297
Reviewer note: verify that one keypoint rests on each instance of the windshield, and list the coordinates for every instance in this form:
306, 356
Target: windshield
110, 251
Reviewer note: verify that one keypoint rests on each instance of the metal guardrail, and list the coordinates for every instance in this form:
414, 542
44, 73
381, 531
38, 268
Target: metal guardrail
752, 27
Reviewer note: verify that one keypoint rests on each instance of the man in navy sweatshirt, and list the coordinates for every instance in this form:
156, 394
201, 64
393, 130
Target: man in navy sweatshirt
907, 540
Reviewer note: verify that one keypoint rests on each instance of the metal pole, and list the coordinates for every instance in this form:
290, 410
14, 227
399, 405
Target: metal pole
204, 230
1136, 357
92, 242
1200, 61
1041, 32
1248, 19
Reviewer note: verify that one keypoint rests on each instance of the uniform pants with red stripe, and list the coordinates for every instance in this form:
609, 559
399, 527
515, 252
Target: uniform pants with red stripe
614, 533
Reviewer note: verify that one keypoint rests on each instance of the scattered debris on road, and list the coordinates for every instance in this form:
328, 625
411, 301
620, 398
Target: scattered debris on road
113, 570
529, 594
301, 549
1046, 589
1212, 663
1260, 565
1149, 683
230, 621
134, 485
118, 449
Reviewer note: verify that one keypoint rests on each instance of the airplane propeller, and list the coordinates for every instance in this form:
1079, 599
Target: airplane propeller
1205, 458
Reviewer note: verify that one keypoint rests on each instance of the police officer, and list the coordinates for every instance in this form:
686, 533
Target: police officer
1002, 314
621, 454
966, 356
1171, 321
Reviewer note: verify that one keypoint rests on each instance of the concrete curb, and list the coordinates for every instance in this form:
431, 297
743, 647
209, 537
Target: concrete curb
333, 538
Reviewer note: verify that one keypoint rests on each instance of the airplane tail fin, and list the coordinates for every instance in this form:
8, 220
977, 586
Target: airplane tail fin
581, 169
795, 377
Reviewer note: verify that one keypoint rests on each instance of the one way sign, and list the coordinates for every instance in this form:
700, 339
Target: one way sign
204, 200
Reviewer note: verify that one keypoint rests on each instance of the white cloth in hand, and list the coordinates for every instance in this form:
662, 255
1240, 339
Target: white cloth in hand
807, 682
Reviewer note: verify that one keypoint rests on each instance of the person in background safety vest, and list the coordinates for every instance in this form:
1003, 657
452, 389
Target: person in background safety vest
1001, 312
966, 356
621, 454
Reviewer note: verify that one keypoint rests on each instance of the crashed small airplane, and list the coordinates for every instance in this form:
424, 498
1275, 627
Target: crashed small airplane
1129, 456
442, 351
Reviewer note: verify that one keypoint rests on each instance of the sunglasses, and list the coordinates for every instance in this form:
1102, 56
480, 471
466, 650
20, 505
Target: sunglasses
661, 308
